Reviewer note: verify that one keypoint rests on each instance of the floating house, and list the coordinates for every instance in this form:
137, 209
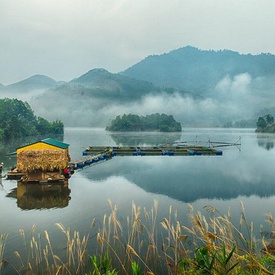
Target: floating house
43, 161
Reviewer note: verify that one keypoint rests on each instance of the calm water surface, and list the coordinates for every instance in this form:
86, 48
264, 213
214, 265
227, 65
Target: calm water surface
242, 175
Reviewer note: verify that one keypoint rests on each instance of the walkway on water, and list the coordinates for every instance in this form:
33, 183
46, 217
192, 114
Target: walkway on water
93, 155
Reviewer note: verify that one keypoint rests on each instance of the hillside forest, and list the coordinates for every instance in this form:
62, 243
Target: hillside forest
17, 120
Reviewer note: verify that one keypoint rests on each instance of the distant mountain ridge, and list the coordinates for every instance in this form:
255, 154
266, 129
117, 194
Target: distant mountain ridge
33, 83
100, 83
198, 87
198, 70
89, 100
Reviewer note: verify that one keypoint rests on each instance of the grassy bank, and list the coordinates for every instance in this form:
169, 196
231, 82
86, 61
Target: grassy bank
208, 244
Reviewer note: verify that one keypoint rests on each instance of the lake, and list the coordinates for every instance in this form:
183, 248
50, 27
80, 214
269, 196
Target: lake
242, 175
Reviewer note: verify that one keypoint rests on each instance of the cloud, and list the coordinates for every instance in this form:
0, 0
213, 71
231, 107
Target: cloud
238, 85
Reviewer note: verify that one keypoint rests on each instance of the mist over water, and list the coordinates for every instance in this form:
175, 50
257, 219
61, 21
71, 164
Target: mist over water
242, 175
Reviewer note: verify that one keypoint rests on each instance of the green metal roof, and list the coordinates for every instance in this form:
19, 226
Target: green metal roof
50, 141
55, 143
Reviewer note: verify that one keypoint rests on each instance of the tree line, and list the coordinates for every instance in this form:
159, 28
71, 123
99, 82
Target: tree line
154, 122
265, 124
18, 120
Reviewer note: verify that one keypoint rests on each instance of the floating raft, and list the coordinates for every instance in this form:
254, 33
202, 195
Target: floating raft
88, 160
153, 151
94, 155
15, 175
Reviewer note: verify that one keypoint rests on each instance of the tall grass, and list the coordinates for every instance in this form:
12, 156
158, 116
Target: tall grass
144, 244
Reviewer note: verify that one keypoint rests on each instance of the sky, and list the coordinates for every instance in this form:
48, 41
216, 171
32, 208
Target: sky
64, 39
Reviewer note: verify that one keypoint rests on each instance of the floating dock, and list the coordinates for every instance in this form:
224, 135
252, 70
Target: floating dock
153, 151
15, 175
96, 154
88, 160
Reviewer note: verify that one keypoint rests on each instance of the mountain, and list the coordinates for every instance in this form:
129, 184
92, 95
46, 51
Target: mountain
198, 70
197, 87
94, 98
102, 84
36, 82
28, 88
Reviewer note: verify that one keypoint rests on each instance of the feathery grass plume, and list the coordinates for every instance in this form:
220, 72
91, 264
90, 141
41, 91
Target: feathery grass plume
50, 246
135, 228
132, 250
3, 240
77, 255
204, 243
174, 243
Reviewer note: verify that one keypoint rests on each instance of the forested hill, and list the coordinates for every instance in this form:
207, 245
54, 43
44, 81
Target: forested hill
102, 84
153, 122
36, 82
199, 70
198, 87
18, 120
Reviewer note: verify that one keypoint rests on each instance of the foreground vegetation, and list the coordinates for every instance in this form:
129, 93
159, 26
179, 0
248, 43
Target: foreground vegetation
154, 122
18, 120
208, 244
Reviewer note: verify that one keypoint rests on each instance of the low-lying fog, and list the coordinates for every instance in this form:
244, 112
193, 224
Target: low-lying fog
233, 98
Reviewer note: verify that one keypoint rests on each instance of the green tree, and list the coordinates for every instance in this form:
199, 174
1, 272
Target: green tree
261, 123
131, 122
269, 119
18, 120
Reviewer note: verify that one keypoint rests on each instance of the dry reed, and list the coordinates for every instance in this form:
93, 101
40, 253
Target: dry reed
205, 244
45, 160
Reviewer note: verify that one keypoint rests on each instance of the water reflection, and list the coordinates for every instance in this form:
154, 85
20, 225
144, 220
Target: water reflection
189, 179
41, 196
141, 138
266, 141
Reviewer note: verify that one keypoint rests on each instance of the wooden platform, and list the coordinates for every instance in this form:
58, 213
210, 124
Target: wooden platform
153, 151
14, 175
90, 159
93, 155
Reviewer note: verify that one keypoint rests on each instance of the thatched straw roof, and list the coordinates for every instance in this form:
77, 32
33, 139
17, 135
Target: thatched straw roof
45, 160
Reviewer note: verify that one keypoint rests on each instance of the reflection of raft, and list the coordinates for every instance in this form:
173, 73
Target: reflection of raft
38, 196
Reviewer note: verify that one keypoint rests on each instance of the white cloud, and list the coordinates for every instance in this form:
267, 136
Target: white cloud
238, 85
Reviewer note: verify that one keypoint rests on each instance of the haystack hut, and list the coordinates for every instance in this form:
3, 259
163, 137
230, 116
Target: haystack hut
43, 160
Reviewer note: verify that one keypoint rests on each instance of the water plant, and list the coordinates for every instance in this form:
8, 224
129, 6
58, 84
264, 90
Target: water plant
148, 244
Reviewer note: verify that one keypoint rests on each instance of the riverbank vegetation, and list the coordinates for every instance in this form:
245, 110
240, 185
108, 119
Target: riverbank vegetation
266, 124
18, 120
203, 244
154, 122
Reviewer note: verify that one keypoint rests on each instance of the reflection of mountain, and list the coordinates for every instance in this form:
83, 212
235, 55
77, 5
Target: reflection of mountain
39, 196
141, 138
186, 179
